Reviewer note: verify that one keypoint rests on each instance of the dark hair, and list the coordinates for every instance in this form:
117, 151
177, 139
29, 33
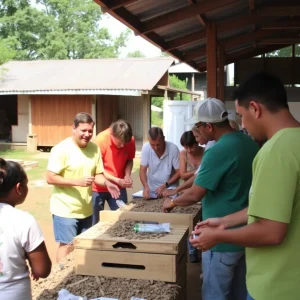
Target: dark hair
155, 132
11, 173
265, 89
82, 117
188, 139
122, 130
222, 124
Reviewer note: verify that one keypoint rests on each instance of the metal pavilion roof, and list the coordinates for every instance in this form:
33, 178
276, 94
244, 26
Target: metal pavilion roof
245, 28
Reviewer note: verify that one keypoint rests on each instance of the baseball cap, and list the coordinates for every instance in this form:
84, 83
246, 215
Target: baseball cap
210, 110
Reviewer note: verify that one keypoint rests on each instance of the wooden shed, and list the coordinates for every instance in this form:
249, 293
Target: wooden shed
42, 97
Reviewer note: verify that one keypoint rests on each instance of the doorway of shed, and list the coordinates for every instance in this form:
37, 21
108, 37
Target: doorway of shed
8, 115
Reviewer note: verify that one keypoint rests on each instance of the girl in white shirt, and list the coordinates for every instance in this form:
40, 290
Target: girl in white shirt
20, 237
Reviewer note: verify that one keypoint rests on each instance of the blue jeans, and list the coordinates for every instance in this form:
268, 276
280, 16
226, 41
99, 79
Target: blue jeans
224, 276
99, 198
249, 297
65, 229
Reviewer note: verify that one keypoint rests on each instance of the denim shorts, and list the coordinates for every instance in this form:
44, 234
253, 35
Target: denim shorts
65, 229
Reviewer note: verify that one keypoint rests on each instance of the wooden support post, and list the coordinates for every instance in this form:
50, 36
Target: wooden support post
293, 69
94, 114
146, 116
211, 62
221, 74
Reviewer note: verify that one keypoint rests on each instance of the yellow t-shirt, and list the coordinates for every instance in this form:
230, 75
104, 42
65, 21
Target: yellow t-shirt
73, 162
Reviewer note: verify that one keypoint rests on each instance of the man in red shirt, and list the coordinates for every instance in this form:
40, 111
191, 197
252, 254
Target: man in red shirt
117, 146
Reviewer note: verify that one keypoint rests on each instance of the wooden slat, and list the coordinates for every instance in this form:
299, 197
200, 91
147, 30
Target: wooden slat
279, 11
246, 38
182, 13
185, 40
156, 266
97, 238
195, 54
53, 115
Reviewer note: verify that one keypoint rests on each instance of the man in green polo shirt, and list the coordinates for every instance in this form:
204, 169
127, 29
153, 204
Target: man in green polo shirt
222, 184
272, 236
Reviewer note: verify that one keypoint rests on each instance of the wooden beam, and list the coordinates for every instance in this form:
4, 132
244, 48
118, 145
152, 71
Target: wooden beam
185, 40
279, 41
158, 40
231, 58
239, 22
183, 13
211, 61
194, 54
114, 4
279, 11
221, 73
285, 24
247, 38
242, 54
251, 5
200, 17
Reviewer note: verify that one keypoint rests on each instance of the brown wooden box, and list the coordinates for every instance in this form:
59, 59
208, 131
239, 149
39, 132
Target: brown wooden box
162, 259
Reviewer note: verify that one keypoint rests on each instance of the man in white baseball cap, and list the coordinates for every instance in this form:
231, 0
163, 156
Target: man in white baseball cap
223, 184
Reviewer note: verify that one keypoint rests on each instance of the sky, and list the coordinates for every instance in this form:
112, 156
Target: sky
134, 42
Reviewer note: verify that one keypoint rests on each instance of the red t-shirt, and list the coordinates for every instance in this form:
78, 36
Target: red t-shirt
114, 159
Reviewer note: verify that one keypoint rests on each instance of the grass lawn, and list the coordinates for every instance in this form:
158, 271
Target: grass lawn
35, 173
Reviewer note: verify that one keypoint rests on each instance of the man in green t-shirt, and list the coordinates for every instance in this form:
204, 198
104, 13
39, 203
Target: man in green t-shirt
273, 231
223, 183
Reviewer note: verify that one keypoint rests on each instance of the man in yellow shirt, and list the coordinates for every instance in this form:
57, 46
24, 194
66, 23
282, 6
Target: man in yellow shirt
74, 164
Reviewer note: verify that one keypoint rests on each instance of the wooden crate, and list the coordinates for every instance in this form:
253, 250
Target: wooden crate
164, 258
190, 219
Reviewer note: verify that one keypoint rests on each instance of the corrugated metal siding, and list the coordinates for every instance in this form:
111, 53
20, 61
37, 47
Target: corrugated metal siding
106, 111
131, 110
52, 116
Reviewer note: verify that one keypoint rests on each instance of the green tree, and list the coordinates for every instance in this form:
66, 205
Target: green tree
6, 53
57, 29
136, 53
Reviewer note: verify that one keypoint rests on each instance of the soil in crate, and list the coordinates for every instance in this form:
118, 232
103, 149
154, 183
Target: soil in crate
63, 276
144, 205
124, 229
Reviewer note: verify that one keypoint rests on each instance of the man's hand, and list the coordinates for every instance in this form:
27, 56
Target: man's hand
146, 192
207, 239
128, 180
168, 193
123, 183
212, 222
159, 191
167, 205
113, 189
34, 277
85, 181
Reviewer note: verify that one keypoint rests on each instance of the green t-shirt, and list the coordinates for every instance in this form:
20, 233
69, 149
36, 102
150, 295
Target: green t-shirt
273, 272
226, 173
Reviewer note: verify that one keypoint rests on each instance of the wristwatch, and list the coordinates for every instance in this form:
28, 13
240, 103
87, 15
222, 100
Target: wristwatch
167, 184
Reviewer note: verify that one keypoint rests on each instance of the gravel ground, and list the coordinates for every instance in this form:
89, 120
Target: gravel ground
63, 276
